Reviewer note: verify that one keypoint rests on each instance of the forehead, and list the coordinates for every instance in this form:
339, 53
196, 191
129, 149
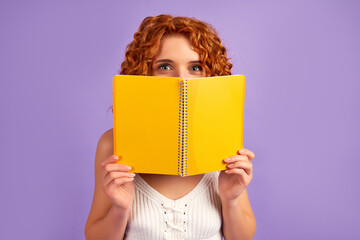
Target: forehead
177, 47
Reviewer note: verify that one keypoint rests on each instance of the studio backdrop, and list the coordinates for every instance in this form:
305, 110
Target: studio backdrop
302, 108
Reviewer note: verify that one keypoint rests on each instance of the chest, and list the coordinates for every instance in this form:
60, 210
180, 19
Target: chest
197, 215
172, 187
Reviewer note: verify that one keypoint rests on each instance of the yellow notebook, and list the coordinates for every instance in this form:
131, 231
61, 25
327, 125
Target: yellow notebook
177, 126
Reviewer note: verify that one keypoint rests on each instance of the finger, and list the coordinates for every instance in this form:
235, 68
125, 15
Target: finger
236, 158
117, 167
247, 166
121, 181
240, 173
237, 171
248, 153
106, 161
110, 159
117, 175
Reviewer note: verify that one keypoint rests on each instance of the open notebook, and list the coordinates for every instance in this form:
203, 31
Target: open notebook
177, 126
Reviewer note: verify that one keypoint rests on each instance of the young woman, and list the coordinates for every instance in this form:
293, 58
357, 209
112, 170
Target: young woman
152, 206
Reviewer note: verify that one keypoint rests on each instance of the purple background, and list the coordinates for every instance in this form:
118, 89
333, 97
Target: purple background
302, 108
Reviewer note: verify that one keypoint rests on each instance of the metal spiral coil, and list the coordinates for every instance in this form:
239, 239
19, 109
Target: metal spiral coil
182, 132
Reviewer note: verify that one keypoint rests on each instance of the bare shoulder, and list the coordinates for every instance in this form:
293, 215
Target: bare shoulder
106, 141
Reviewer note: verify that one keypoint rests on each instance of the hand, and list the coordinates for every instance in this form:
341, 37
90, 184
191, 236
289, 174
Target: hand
117, 182
238, 175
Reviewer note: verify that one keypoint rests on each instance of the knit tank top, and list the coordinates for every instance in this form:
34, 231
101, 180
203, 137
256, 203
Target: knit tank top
197, 215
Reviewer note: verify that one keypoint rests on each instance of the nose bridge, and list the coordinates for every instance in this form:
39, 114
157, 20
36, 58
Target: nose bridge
182, 72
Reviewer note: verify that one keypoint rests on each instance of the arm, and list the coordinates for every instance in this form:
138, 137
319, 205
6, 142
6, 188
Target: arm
112, 226
238, 219
107, 220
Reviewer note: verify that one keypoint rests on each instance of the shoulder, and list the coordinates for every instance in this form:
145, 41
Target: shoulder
106, 141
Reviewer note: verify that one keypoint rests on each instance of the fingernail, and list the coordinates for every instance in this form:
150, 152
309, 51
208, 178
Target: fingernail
115, 157
226, 159
132, 174
230, 165
128, 168
242, 151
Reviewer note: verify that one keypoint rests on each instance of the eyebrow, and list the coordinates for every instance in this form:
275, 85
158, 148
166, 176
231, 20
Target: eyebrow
168, 60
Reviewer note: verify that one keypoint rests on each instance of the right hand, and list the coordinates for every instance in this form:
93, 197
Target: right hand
117, 183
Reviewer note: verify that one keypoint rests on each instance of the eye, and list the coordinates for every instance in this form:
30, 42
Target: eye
196, 68
164, 67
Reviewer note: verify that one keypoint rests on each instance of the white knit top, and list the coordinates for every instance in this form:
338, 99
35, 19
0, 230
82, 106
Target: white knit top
197, 215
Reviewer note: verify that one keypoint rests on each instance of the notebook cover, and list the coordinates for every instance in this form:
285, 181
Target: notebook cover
215, 121
146, 122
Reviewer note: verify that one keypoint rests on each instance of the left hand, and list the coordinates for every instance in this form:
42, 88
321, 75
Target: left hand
238, 175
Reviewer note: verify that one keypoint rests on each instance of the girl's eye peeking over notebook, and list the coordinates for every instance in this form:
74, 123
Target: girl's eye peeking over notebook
176, 57
199, 68
164, 67
195, 68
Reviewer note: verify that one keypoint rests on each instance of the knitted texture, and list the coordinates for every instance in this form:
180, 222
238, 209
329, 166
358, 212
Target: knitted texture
197, 215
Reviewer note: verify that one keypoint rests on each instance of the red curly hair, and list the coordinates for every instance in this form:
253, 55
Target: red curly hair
141, 52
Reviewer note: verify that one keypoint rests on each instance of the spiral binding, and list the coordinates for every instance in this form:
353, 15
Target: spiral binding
182, 132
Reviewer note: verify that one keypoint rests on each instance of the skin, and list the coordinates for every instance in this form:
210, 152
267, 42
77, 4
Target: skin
114, 187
